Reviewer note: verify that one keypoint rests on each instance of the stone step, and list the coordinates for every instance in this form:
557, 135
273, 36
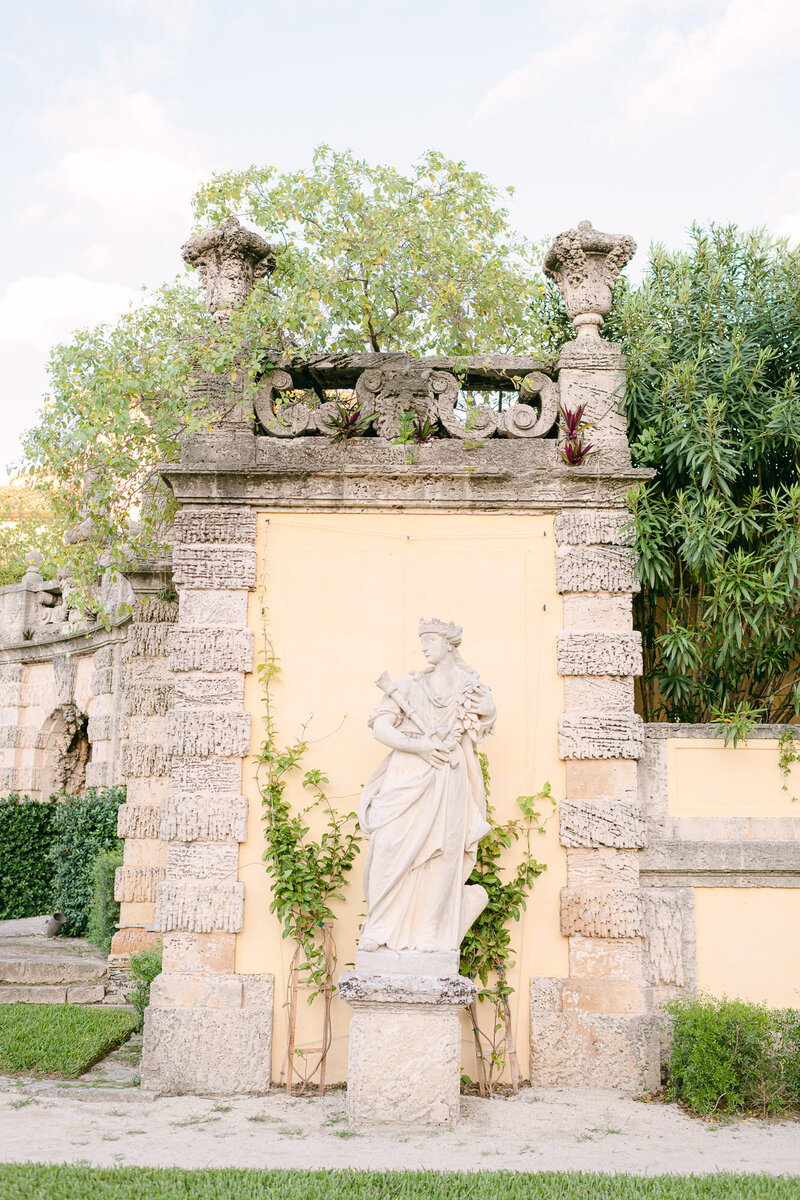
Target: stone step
49, 969
43, 993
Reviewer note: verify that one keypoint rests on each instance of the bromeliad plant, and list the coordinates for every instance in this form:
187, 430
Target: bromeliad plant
573, 426
349, 420
486, 954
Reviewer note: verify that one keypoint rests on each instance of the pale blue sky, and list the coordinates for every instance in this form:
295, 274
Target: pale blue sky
641, 115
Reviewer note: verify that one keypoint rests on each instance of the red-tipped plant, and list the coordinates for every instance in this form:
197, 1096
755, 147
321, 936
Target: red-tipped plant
572, 424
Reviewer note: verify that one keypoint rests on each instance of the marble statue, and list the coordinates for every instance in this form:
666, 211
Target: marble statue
424, 808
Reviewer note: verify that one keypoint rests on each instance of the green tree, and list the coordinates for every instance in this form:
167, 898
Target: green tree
712, 336
368, 259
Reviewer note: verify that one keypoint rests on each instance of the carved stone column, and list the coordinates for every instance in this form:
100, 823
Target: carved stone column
585, 264
208, 1029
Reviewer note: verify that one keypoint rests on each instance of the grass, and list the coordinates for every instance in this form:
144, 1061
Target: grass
38, 1182
59, 1039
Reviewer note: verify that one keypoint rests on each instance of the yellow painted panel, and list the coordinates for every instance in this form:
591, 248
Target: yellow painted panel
748, 943
707, 779
344, 594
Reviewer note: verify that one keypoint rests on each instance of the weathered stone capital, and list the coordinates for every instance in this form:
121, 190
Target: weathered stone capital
230, 259
585, 264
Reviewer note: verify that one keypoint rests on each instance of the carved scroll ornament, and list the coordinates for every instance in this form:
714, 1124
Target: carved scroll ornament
385, 394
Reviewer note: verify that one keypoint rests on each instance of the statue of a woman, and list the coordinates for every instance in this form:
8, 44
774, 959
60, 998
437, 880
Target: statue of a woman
425, 806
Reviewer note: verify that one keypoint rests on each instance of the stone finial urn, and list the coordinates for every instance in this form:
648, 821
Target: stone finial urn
230, 259
585, 264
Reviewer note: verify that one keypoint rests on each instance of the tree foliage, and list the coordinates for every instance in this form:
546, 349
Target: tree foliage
368, 258
712, 336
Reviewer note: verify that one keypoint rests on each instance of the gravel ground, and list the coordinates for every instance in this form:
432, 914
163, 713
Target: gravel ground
553, 1130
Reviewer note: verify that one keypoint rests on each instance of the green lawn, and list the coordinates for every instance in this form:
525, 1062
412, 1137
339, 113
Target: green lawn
33, 1182
59, 1039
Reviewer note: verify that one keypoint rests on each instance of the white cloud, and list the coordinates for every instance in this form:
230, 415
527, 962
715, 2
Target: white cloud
782, 204
36, 312
683, 72
121, 184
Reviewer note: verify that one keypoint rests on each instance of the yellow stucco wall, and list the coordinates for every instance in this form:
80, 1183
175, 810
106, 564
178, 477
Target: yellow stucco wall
748, 943
707, 779
343, 594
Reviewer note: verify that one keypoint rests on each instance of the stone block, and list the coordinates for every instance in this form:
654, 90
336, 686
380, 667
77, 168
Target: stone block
49, 969
148, 639
205, 732
199, 907
194, 689
601, 823
199, 952
218, 524
607, 613
604, 866
602, 1050
404, 1066
591, 527
211, 650
207, 775
208, 861
596, 653
600, 735
150, 608
606, 958
86, 994
98, 774
666, 912
606, 996
214, 566
236, 1046
595, 569
102, 682
213, 609
100, 728
127, 941
103, 658
17, 737
598, 693
145, 760
196, 989
137, 885
139, 821
149, 700
32, 994
145, 852
604, 912
595, 778
187, 818
11, 673
146, 671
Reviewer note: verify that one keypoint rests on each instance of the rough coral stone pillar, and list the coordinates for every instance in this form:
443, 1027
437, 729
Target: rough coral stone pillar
597, 1027
146, 699
208, 1029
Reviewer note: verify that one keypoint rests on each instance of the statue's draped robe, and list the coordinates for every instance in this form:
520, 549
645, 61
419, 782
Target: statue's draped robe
425, 823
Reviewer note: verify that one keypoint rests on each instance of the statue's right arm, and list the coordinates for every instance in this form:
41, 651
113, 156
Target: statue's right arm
385, 730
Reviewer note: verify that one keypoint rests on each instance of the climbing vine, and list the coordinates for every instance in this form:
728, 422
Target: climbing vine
486, 954
788, 753
307, 874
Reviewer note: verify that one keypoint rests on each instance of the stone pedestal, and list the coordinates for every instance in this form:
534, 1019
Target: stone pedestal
405, 1048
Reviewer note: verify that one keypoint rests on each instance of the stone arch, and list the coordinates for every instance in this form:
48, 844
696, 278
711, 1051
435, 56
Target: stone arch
64, 751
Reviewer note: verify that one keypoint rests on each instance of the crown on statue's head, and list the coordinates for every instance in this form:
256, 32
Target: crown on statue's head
446, 629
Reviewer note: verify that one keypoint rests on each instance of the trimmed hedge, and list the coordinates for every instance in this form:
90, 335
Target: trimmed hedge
103, 908
733, 1056
84, 826
27, 832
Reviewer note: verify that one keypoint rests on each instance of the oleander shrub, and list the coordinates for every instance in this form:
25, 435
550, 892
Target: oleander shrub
103, 908
84, 826
27, 830
733, 1056
145, 965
